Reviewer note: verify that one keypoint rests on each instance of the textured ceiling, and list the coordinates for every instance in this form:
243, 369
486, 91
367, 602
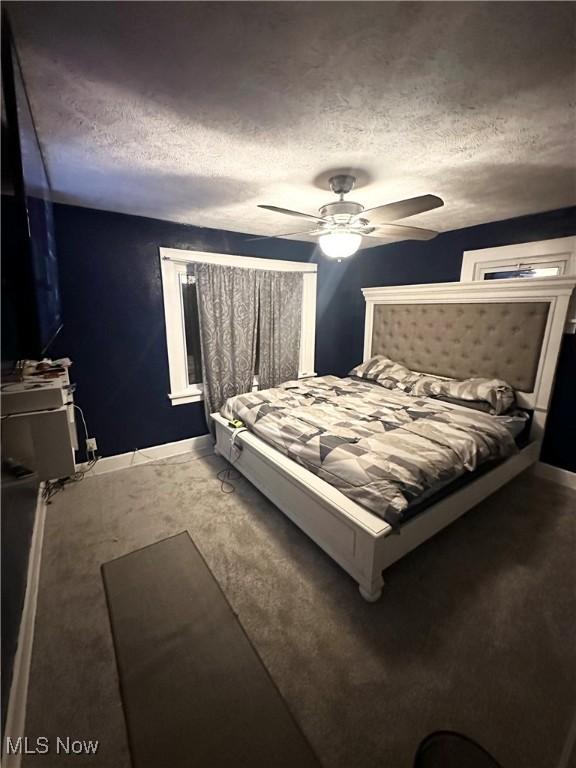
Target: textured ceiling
197, 112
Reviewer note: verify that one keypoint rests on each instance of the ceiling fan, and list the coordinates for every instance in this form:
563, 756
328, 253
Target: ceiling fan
341, 225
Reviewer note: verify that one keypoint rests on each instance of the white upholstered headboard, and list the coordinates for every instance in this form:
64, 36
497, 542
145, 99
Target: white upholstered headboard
510, 329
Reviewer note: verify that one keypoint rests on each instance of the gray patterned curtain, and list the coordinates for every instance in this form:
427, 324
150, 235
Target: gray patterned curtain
280, 324
228, 314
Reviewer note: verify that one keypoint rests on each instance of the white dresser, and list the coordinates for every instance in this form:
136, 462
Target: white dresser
38, 425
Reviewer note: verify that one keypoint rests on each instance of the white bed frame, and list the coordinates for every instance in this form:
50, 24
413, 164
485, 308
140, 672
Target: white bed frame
359, 541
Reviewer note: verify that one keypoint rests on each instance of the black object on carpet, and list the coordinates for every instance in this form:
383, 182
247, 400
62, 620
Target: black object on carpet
195, 692
448, 749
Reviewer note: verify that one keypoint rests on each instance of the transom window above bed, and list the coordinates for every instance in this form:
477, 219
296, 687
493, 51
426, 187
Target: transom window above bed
182, 320
544, 258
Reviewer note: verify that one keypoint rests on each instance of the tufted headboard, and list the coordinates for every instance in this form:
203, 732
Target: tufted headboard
508, 329
500, 340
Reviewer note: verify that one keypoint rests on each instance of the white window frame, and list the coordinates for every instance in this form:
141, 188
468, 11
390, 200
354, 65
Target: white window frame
174, 263
559, 252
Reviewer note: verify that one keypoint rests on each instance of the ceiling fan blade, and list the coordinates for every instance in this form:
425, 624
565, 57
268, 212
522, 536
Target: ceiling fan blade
400, 232
402, 209
287, 234
288, 212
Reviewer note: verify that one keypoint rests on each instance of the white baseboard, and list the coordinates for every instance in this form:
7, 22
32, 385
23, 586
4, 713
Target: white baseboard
198, 446
557, 475
16, 714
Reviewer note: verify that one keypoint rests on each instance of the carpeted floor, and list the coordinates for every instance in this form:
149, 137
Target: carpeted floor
474, 632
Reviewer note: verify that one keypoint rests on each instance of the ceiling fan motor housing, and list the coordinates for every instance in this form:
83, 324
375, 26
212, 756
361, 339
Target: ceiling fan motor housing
341, 211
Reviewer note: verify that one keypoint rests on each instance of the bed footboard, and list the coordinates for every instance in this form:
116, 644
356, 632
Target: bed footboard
359, 541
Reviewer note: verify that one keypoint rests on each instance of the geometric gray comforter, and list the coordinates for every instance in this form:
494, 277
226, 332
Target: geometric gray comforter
379, 447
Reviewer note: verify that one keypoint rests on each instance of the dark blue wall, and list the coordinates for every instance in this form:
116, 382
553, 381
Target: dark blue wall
114, 318
114, 321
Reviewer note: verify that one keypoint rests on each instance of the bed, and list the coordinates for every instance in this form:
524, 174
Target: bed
507, 329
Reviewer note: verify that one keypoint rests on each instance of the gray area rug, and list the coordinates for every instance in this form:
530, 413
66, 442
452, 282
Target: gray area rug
474, 632
186, 667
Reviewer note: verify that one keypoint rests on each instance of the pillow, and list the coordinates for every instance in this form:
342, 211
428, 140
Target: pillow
385, 371
370, 369
426, 386
497, 393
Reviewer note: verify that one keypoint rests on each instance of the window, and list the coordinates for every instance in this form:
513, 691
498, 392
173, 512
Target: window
521, 271
181, 313
191, 329
545, 258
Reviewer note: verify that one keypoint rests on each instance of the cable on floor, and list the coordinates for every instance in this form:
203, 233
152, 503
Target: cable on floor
228, 474
225, 476
52, 487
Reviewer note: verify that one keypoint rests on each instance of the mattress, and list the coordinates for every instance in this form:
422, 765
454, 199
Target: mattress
386, 450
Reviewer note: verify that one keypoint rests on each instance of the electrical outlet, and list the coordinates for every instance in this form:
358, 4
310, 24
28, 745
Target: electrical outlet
91, 444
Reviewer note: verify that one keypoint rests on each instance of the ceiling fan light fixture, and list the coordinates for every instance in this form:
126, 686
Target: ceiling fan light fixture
340, 245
